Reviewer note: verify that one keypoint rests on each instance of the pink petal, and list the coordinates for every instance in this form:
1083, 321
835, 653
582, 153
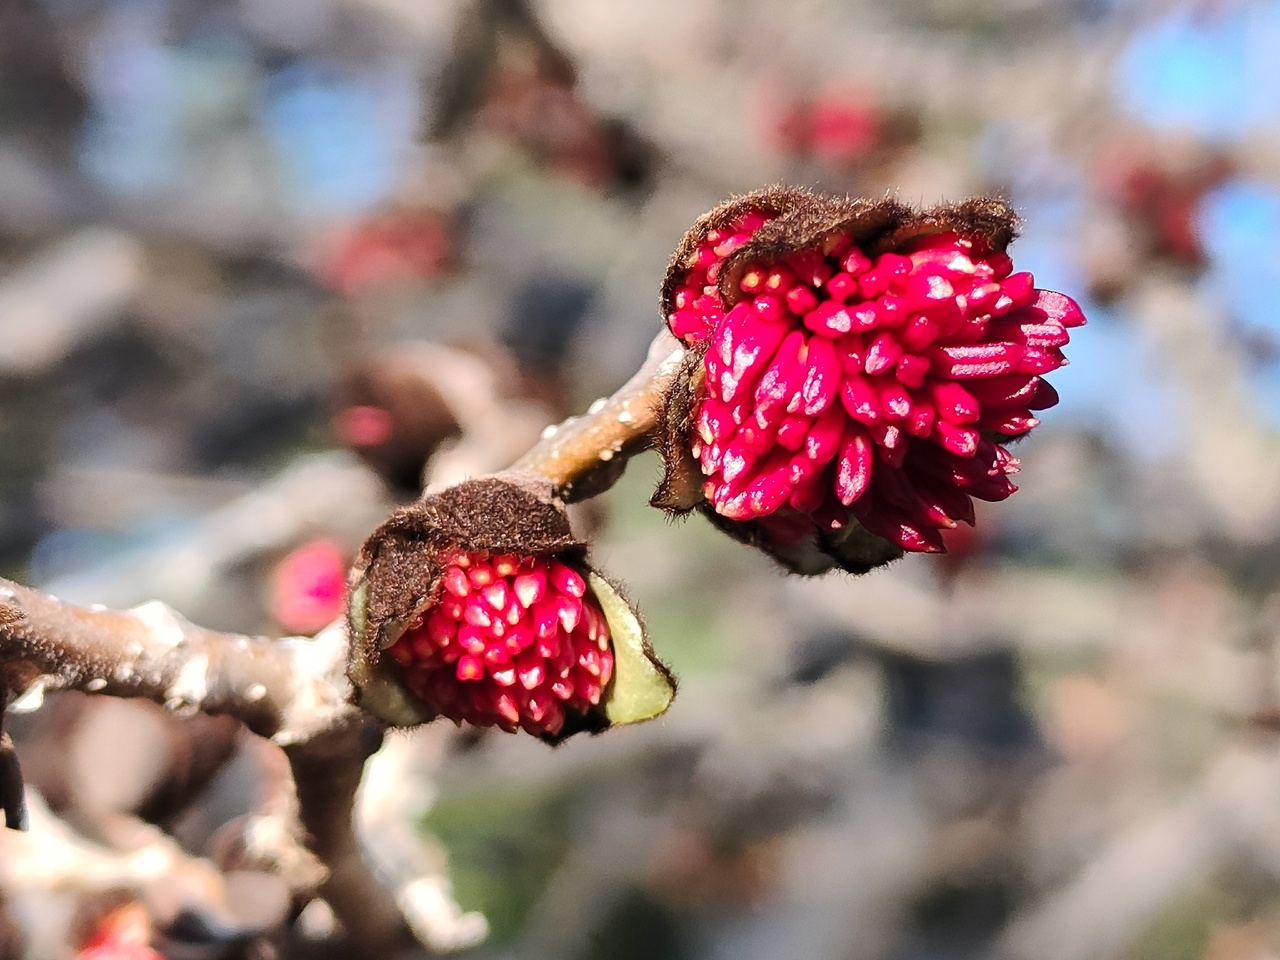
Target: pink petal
883, 354
911, 370
823, 441
822, 382
954, 403
1045, 396
977, 360
962, 441
895, 402
853, 468
782, 381
829, 319
1003, 392
1060, 307
861, 399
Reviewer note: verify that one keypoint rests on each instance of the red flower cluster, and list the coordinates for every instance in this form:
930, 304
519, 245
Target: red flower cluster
876, 385
400, 245
511, 642
835, 128
124, 933
309, 586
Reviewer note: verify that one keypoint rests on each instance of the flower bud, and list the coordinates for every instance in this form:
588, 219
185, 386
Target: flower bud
854, 369
477, 604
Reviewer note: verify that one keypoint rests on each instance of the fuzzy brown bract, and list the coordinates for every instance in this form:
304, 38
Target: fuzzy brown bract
397, 574
802, 220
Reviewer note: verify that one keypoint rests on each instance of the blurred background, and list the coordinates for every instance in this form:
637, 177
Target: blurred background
260, 259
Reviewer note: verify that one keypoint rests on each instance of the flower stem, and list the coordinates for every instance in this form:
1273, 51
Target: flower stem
585, 455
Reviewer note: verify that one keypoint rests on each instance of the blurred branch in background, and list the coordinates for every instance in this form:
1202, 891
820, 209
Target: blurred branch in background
65, 295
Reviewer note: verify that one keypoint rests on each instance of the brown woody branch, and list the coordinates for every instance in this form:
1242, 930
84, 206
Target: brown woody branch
294, 691
286, 690
327, 772
585, 455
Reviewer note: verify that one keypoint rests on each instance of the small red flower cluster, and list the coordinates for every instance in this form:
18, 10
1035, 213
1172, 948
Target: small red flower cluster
309, 586
879, 387
124, 933
833, 128
525, 637
400, 245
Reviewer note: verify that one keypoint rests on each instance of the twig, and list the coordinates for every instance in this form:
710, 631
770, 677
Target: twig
287, 690
294, 691
585, 455
270, 838
327, 773
396, 791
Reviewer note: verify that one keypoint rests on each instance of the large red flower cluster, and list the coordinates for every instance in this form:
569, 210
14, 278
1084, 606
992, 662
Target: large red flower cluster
880, 386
